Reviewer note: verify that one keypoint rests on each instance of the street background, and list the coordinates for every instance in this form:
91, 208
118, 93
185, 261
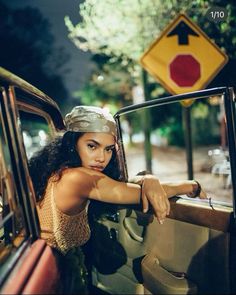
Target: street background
169, 164
87, 52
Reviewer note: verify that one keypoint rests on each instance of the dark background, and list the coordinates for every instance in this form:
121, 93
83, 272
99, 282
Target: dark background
34, 45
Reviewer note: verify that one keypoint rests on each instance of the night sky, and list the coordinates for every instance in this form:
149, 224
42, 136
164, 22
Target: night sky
78, 66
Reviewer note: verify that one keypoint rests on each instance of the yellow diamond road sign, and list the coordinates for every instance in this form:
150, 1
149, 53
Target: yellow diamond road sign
183, 58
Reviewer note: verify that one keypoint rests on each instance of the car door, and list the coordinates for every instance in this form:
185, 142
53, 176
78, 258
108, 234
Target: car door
27, 119
193, 252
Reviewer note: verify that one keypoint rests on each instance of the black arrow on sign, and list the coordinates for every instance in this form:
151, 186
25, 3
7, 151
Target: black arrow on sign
182, 30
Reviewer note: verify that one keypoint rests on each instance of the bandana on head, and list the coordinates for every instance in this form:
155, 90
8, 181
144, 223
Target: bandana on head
90, 119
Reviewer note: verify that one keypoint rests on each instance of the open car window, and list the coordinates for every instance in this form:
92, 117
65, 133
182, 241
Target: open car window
28, 119
13, 229
36, 131
186, 143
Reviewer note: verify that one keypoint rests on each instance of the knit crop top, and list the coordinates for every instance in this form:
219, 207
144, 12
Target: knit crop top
61, 231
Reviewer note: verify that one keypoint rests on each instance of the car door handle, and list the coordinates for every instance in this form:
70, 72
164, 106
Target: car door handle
132, 234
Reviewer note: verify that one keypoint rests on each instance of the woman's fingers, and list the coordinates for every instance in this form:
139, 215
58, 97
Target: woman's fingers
159, 205
161, 215
203, 194
168, 206
144, 202
153, 193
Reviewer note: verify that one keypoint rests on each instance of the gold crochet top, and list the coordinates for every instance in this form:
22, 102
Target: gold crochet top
61, 231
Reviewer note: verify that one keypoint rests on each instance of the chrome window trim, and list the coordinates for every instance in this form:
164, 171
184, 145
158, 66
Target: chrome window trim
228, 95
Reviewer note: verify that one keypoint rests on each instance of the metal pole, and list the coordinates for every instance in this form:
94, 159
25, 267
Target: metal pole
188, 140
147, 125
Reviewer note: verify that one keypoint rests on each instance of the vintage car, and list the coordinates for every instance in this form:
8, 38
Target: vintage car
193, 252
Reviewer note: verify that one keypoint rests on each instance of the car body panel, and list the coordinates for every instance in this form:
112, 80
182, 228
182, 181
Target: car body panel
129, 252
192, 252
179, 246
28, 265
35, 273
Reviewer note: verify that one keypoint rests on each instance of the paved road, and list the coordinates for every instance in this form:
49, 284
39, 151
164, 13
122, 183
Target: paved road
169, 164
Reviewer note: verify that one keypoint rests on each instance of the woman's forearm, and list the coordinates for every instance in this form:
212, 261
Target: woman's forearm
171, 189
178, 188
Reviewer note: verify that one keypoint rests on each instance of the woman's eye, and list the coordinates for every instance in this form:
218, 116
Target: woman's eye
91, 146
109, 149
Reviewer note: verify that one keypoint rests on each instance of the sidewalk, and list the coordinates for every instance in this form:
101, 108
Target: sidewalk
169, 164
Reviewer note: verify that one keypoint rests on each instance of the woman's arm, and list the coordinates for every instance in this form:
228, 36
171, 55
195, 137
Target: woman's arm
150, 182
173, 188
186, 187
79, 184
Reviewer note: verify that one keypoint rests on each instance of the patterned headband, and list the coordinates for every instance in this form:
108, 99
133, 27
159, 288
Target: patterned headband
90, 119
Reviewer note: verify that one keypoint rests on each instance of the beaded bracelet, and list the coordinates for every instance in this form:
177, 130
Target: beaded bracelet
196, 192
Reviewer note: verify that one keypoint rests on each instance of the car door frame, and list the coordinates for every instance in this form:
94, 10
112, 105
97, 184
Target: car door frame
196, 214
33, 254
177, 210
229, 103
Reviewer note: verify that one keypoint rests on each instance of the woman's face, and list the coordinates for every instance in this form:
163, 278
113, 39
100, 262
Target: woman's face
95, 149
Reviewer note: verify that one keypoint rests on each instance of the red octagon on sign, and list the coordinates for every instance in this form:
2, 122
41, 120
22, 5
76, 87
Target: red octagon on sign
185, 70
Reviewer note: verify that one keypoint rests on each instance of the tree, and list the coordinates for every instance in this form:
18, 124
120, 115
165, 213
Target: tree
109, 82
27, 50
125, 32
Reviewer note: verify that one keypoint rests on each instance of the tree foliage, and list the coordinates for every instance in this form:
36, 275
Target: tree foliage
109, 82
122, 30
27, 50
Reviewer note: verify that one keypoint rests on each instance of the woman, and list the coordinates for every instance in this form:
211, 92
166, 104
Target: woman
82, 165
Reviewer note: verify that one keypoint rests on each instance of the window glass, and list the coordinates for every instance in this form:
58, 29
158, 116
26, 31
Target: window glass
12, 228
36, 132
166, 125
210, 148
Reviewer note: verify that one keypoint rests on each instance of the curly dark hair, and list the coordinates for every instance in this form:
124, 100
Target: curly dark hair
58, 155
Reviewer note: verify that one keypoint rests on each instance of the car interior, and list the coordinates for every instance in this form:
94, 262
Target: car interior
129, 252
192, 252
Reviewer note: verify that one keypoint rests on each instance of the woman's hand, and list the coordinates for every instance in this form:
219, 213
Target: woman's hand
197, 191
153, 192
203, 194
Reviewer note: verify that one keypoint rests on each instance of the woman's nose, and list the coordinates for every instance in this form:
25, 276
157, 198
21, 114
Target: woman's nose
100, 156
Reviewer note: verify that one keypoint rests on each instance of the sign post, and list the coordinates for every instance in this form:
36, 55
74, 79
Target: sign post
183, 59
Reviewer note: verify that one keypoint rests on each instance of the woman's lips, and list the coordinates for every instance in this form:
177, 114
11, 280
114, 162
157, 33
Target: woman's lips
98, 168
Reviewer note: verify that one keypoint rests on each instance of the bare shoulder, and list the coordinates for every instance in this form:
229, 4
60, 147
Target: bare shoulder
71, 190
79, 173
80, 179
73, 184
72, 174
